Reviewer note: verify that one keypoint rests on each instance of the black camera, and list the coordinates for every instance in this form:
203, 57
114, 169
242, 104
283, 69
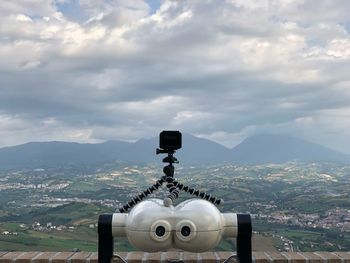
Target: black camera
170, 140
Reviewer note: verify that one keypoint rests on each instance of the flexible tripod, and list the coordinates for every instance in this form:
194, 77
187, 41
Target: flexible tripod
172, 185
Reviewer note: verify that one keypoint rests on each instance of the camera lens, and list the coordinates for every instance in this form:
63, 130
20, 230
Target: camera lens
160, 231
185, 231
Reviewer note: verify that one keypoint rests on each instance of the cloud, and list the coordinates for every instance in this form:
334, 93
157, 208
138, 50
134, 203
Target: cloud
98, 70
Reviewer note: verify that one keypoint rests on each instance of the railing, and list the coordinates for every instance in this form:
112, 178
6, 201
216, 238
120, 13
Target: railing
174, 256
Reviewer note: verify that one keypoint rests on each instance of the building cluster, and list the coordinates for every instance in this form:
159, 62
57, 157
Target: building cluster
8, 233
22, 186
48, 201
336, 218
47, 227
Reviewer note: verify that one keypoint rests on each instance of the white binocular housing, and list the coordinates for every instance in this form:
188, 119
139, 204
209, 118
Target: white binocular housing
194, 225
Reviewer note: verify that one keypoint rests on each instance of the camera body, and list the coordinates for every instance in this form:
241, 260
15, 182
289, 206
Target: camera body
169, 141
194, 225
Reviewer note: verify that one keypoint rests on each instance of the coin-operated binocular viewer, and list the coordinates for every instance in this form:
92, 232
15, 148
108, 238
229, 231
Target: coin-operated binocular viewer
195, 225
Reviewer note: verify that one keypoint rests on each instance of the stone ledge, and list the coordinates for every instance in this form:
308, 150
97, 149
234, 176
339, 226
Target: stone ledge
174, 256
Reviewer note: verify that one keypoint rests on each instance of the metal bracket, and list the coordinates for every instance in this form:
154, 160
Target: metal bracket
244, 238
105, 238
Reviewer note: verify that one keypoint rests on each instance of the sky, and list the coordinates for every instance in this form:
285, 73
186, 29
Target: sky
97, 70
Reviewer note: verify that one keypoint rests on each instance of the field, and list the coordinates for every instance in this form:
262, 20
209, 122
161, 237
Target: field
294, 207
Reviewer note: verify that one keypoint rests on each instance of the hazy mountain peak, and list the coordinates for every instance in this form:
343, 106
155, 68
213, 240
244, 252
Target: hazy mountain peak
277, 148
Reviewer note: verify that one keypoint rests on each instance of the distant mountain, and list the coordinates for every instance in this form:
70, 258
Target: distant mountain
272, 148
265, 148
48, 154
53, 154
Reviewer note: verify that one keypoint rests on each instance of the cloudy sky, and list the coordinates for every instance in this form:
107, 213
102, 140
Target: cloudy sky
96, 70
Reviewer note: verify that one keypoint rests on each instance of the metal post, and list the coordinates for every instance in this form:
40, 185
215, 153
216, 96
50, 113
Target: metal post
244, 238
105, 238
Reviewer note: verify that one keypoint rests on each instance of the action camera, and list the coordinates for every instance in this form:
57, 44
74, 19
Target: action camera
170, 140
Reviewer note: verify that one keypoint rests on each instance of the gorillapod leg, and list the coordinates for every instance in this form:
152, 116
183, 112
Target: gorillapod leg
197, 193
169, 178
173, 185
138, 198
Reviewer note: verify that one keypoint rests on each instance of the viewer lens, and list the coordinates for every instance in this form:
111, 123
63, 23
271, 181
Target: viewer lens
160, 231
185, 231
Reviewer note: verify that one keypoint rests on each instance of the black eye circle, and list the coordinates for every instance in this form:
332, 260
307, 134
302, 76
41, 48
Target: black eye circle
160, 231
185, 231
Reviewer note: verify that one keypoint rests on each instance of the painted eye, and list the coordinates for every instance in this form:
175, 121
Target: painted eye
186, 230
160, 230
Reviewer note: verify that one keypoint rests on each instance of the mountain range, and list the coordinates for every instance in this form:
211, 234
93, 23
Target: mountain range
263, 148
